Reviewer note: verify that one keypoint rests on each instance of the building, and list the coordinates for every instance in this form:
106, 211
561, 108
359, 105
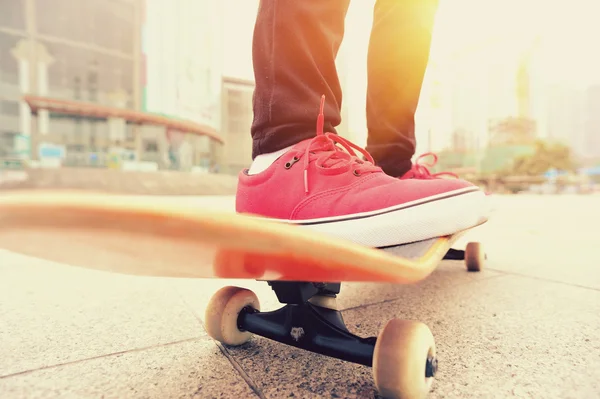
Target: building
590, 147
483, 73
471, 91
478, 88
237, 120
63, 50
111, 82
564, 115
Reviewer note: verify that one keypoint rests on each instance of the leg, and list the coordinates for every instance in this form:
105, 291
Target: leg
397, 60
294, 50
299, 174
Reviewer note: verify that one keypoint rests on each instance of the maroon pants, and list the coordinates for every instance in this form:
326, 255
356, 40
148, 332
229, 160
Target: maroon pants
294, 50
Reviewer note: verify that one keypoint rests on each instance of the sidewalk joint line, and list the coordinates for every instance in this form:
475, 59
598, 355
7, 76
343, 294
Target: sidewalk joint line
100, 357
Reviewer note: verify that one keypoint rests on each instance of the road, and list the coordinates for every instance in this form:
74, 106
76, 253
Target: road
526, 326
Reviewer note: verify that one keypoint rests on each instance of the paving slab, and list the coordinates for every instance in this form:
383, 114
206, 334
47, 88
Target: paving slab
448, 274
191, 369
507, 336
53, 313
545, 236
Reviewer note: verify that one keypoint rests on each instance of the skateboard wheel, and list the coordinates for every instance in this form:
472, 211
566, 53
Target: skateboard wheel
404, 360
222, 311
474, 257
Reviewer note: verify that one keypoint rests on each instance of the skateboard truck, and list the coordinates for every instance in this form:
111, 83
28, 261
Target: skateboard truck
402, 356
455, 254
305, 325
297, 293
473, 256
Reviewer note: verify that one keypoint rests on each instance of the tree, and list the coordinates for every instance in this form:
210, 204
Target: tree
545, 157
512, 131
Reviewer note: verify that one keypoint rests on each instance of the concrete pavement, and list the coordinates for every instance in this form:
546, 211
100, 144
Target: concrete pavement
526, 326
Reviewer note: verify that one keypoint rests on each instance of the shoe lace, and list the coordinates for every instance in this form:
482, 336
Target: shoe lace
420, 168
324, 150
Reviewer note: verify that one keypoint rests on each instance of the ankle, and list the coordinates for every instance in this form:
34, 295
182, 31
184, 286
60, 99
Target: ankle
263, 161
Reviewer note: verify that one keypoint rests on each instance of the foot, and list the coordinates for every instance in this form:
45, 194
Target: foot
420, 170
323, 184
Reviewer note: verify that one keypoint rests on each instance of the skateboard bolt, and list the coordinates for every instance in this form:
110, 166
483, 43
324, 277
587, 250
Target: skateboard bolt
431, 367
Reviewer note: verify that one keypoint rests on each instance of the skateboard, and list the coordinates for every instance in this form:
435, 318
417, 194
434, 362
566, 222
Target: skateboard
153, 237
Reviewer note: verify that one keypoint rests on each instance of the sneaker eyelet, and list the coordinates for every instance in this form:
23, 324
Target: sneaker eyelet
356, 172
292, 162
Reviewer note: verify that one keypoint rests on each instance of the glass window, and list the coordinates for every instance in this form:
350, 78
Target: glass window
109, 24
9, 108
9, 94
150, 146
239, 111
13, 14
7, 145
86, 75
9, 68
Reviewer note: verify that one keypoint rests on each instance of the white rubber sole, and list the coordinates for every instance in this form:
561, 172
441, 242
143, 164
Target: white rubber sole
445, 215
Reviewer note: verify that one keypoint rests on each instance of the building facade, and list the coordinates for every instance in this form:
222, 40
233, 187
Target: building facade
149, 56
82, 51
591, 126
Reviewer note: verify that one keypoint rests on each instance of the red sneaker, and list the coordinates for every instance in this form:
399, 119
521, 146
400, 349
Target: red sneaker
320, 185
420, 169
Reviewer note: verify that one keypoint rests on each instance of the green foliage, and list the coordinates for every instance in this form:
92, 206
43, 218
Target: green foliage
499, 158
545, 157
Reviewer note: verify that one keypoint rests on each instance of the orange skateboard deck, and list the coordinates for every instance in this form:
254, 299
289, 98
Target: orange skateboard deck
154, 237
143, 236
